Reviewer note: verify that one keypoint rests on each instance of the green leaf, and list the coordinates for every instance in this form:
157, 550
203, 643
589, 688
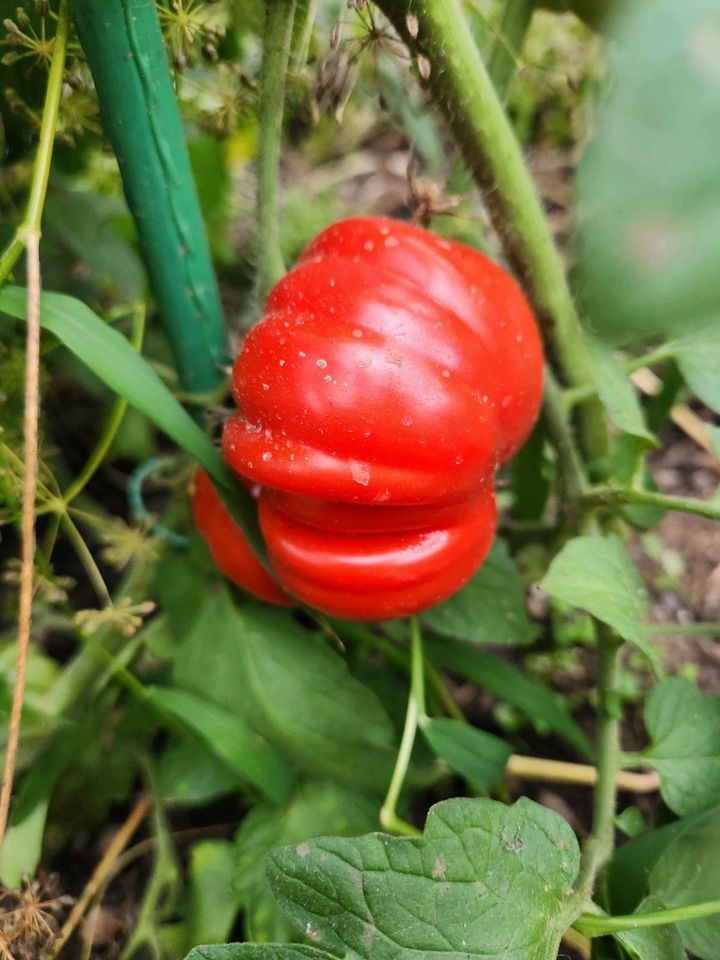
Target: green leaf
189, 774
478, 756
688, 872
698, 357
207, 661
484, 880
111, 260
258, 951
258, 664
684, 727
113, 359
490, 609
652, 943
650, 183
22, 844
616, 392
597, 575
631, 864
317, 809
532, 472
508, 683
244, 751
300, 695
213, 904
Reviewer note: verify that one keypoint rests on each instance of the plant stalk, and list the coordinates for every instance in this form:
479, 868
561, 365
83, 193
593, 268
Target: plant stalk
277, 37
415, 711
612, 496
599, 845
573, 480
593, 925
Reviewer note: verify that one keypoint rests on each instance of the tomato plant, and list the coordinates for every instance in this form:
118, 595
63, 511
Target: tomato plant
363, 480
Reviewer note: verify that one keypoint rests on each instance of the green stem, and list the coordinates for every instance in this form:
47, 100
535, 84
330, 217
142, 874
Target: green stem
463, 89
124, 48
277, 37
43, 159
415, 710
597, 926
117, 412
76, 681
573, 481
86, 559
598, 847
514, 24
684, 629
612, 496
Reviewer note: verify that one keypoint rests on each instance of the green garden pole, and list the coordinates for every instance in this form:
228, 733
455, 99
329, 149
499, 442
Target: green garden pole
124, 48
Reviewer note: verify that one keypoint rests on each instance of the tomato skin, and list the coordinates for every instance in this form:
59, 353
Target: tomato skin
391, 374
229, 549
378, 575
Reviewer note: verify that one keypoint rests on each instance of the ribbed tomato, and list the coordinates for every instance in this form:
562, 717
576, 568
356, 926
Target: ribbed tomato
228, 547
391, 373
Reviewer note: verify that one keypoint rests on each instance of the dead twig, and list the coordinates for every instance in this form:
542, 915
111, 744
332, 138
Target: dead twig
101, 871
32, 406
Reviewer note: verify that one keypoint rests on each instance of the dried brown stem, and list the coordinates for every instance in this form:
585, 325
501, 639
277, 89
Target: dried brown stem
32, 406
102, 871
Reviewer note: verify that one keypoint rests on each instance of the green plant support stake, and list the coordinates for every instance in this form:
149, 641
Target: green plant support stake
124, 47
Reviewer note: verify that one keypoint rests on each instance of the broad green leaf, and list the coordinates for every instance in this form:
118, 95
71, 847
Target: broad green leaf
616, 392
597, 575
684, 727
505, 681
111, 259
112, 358
22, 844
623, 470
478, 756
632, 862
188, 773
299, 694
317, 809
258, 951
652, 943
289, 685
490, 609
207, 661
650, 182
244, 751
532, 472
212, 903
688, 872
698, 357
484, 880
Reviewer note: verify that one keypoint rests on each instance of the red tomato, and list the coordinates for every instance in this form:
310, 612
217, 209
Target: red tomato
229, 548
390, 375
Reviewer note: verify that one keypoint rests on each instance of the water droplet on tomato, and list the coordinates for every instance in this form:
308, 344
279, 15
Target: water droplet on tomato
360, 472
